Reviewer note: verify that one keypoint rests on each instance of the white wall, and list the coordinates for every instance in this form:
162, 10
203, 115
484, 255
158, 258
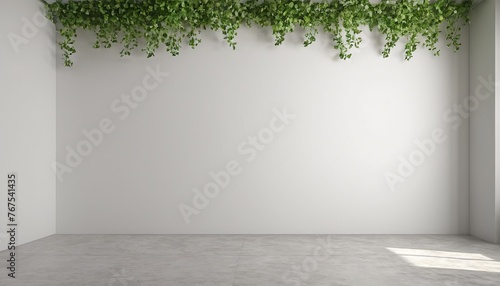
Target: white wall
324, 173
27, 117
482, 121
497, 118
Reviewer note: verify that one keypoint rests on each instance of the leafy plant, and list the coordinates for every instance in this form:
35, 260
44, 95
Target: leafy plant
170, 23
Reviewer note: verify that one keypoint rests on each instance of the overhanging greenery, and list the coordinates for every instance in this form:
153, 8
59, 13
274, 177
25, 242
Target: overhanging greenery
174, 22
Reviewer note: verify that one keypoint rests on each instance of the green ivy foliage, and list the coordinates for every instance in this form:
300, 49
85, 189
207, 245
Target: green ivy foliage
172, 23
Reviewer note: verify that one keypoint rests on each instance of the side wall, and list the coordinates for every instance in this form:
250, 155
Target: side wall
27, 117
497, 117
483, 125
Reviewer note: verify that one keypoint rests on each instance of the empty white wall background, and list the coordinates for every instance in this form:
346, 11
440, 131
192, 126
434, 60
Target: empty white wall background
323, 174
28, 118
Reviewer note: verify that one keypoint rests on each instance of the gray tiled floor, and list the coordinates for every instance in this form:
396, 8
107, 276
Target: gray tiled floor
323, 260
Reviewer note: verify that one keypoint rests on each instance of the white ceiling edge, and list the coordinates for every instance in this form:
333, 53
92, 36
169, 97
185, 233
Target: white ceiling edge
474, 2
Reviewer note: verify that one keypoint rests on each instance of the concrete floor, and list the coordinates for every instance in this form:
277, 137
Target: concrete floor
357, 260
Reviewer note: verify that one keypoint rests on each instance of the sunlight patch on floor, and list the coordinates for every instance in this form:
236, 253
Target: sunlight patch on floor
447, 260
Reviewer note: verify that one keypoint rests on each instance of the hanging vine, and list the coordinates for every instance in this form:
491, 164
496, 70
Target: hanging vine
172, 23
